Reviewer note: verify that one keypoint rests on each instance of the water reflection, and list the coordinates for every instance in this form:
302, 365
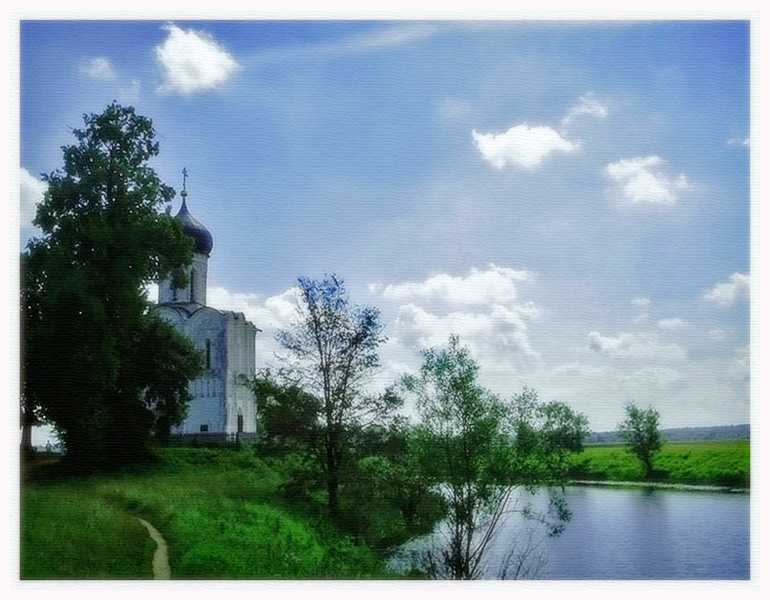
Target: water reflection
633, 534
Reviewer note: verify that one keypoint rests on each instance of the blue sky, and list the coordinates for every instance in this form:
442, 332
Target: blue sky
571, 198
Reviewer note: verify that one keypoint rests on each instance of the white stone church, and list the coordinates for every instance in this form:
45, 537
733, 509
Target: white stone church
221, 407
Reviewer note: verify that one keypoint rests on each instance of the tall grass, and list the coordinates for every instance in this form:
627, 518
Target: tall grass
218, 509
67, 532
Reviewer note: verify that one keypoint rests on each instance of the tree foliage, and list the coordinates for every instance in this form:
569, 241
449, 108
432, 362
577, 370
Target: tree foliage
641, 432
479, 449
96, 363
287, 414
332, 348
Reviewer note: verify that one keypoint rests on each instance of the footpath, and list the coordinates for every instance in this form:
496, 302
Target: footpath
160, 567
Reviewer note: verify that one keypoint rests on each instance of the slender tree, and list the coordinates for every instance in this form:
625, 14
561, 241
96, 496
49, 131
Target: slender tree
96, 364
479, 449
332, 348
641, 432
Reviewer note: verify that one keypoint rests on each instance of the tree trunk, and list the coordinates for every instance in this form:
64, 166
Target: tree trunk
26, 438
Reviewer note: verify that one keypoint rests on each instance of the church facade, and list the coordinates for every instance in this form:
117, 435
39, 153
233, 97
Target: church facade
222, 408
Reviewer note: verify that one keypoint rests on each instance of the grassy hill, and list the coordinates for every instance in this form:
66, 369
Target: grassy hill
220, 511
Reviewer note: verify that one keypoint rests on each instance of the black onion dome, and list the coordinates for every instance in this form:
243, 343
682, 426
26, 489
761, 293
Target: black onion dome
192, 227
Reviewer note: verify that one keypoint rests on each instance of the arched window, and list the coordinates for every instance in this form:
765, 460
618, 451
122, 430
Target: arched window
240, 423
208, 354
192, 286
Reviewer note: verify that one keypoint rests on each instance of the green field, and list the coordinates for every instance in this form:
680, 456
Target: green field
719, 463
219, 510
224, 516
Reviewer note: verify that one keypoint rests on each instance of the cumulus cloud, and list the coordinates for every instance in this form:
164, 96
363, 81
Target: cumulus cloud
192, 61
500, 327
727, 292
739, 142
30, 194
633, 346
271, 313
99, 68
645, 180
483, 307
493, 285
587, 105
522, 145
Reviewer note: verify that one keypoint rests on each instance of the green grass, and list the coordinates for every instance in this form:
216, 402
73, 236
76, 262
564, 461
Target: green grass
720, 463
219, 510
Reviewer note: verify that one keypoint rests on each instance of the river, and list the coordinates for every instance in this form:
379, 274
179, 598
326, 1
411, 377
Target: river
634, 534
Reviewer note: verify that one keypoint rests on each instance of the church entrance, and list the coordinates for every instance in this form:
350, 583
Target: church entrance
240, 423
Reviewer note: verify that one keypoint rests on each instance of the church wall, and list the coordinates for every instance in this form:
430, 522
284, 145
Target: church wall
207, 328
241, 347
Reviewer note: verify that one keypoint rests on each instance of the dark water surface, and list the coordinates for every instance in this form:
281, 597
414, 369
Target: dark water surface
633, 533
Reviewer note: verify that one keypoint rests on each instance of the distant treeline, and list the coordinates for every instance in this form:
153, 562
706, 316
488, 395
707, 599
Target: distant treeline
681, 434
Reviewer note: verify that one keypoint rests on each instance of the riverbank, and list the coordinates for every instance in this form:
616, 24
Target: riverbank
664, 486
713, 464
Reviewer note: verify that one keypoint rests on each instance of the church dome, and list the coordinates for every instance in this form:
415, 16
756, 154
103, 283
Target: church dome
204, 242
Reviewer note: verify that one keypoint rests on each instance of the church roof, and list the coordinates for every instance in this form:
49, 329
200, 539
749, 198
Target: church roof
190, 310
204, 242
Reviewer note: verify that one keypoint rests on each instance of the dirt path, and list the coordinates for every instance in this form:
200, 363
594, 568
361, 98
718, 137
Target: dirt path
160, 566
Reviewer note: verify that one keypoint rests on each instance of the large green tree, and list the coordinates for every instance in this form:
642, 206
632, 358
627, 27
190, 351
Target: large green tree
332, 348
479, 449
97, 363
640, 430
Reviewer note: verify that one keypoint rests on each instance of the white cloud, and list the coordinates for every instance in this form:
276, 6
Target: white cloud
99, 68
727, 292
588, 105
640, 302
30, 194
717, 335
655, 376
739, 367
452, 109
494, 285
193, 61
644, 179
270, 314
493, 332
483, 307
522, 145
130, 93
739, 142
397, 35
671, 323
633, 346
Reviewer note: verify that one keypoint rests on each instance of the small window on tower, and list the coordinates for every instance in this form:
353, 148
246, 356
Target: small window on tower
204, 428
208, 354
192, 286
